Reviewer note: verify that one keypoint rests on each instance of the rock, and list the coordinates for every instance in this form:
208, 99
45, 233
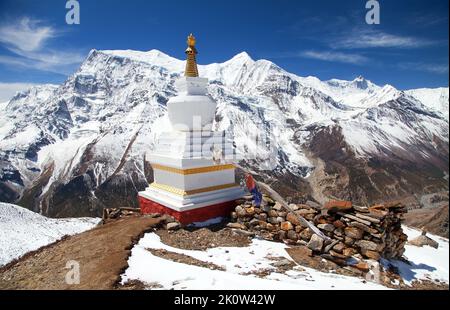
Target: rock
337, 205
361, 209
173, 226
371, 254
254, 222
282, 263
233, 215
315, 243
286, 226
423, 240
250, 210
270, 227
339, 232
272, 220
353, 232
363, 227
298, 228
363, 266
280, 219
168, 218
236, 225
313, 205
281, 235
338, 224
263, 224
367, 245
292, 235
278, 206
349, 241
240, 211
243, 232
349, 252
293, 219
293, 206
272, 213
339, 247
262, 217
266, 208
326, 227
338, 255
282, 213
330, 246
306, 234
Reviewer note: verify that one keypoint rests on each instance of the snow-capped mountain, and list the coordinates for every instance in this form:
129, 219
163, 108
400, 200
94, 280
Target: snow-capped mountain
72, 149
24, 231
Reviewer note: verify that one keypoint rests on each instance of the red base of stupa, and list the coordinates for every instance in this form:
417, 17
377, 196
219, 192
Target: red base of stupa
186, 217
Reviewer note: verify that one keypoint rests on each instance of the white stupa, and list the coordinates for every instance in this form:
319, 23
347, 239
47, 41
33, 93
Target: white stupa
194, 178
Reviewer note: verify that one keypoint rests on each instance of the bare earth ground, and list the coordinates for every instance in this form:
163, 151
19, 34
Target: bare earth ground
102, 254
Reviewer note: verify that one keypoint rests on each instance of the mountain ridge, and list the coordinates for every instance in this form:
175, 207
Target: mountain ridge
378, 134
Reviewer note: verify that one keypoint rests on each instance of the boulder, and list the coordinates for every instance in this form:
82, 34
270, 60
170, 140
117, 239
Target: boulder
349, 241
348, 252
306, 234
262, 217
353, 232
236, 226
338, 224
278, 206
172, 226
338, 205
315, 243
240, 211
250, 210
371, 254
286, 226
423, 240
326, 227
339, 247
272, 213
292, 235
271, 227
293, 219
367, 245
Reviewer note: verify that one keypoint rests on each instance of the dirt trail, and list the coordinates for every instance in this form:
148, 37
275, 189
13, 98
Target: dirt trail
102, 255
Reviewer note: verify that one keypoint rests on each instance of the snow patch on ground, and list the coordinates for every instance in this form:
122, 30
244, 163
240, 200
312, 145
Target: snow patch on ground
22, 230
427, 263
237, 261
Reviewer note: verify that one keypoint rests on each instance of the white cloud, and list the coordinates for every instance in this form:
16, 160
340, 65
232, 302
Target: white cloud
425, 67
26, 35
8, 90
28, 40
333, 56
375, 39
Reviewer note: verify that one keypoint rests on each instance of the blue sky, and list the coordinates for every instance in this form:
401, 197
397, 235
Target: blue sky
323, 38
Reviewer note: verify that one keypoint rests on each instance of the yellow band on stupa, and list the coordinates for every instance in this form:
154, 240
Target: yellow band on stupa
181, 192
193, 170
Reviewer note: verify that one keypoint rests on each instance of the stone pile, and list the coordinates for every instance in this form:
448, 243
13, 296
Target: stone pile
115, 213
354, 231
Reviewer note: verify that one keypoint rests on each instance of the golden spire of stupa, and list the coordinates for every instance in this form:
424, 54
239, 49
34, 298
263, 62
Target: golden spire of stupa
191, 63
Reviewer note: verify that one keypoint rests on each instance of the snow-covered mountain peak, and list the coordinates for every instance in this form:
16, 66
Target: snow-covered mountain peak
94, 130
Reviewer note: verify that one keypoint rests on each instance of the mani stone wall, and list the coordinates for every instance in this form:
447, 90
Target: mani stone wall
361, 232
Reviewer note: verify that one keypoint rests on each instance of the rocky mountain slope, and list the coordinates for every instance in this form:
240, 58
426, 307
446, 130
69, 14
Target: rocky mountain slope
71, 150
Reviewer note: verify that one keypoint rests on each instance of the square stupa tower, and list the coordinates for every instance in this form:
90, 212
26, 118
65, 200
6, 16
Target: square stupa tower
193, 181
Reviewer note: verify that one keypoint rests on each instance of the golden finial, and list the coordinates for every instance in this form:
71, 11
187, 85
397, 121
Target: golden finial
191, 62
191, 40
